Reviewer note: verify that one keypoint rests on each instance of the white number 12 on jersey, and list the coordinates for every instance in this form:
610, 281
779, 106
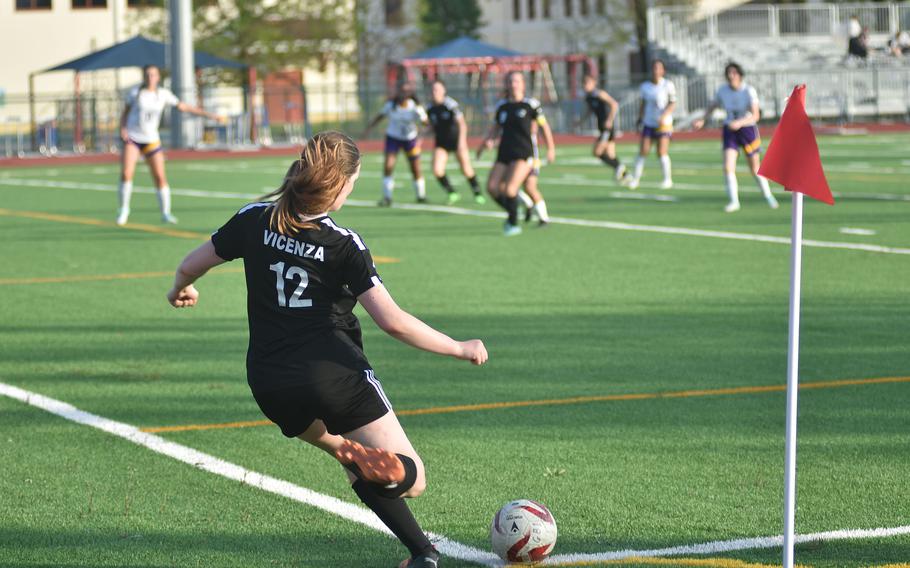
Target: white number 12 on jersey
296, 301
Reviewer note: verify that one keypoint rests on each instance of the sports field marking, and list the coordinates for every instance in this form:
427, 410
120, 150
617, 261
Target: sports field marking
105, 277
365, 517
697, 562
564, 401
134, 226
235, 472
721, 546
614, 225
57, 218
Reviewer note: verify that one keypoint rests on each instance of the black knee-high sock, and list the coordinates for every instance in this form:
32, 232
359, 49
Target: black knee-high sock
474, 186
445, 183
512, 208
502, 201
612, 162
396, 515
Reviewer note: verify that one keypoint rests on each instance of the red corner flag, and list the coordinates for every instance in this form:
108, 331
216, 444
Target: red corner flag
792, 158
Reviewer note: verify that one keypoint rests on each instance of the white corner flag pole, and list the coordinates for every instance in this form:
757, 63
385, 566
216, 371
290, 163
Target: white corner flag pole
796, 246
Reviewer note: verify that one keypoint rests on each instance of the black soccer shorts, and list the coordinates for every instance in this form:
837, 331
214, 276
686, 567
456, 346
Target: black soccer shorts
343, 403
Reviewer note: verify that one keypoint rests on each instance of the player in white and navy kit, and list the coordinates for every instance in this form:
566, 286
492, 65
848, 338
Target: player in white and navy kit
517, 118
604, 108
305, 364
405, 117
655, 117
451, 132
740, 102
139, 132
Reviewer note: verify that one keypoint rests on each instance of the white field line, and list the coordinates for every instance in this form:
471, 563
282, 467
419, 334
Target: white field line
614, 225
581, 180
730, 545
365, 517
229, 470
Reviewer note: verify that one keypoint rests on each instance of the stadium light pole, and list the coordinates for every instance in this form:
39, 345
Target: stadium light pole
182, 64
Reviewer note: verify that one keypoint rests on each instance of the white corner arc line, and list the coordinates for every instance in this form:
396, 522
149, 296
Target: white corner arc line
719, 546
235, 472
365, 517
614, 225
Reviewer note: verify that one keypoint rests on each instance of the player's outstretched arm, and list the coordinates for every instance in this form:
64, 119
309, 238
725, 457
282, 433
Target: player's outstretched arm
406, 328
183, 294
183, 107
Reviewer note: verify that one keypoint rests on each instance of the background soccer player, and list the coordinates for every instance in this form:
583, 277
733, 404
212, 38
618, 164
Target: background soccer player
139, 131
655, 116
305, 364
451, 132
740, 101
515, 118
405, 117
604, 108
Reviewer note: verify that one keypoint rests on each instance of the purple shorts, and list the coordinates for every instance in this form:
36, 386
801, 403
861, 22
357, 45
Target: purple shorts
147, 148
411, 148
655, 133
746, 138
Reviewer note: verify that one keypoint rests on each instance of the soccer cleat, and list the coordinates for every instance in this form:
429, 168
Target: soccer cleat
429, 560
772, 203
511, 230
543, 224
122, 216
732, 207
621, 173
479, 199
169, 219
631, 183
453, 198
421, 200
666, 184
375, 465
384, 202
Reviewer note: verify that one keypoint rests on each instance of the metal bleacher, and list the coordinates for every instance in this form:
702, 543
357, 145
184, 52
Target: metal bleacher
783, 45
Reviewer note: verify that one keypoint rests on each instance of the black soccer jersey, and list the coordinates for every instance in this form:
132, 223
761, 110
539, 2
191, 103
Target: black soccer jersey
300, 293
444, 118
516, 119
598, 106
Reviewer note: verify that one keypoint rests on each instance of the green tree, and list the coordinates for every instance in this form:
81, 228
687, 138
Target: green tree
443, 21
270, 35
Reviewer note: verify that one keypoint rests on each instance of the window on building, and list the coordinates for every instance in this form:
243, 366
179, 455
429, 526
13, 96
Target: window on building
394, 13
546, 9
583, 8
33, 4
600, 7
567, 8
145, 3
532, 9
516, 10
89, 4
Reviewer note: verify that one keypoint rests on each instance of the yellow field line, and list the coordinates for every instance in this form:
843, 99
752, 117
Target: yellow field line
57, 218
697, 562
564, 401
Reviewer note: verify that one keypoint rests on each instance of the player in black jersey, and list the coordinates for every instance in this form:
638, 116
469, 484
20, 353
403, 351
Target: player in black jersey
451, 132
305, 363
516, 118
604, 108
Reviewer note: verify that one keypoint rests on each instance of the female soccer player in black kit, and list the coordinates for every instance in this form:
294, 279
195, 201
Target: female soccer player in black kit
515, 119
305, 364
451, 132
604, 108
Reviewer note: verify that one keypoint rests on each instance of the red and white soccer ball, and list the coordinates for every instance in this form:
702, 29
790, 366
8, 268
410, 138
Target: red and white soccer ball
523, 532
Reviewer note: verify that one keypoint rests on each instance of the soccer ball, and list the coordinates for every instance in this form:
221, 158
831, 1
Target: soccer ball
523, 532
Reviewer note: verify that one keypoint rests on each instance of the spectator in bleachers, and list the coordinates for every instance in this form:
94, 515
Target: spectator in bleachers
899, 44
857, 46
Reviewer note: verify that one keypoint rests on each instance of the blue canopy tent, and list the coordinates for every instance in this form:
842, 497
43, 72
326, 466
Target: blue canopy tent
136, 52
